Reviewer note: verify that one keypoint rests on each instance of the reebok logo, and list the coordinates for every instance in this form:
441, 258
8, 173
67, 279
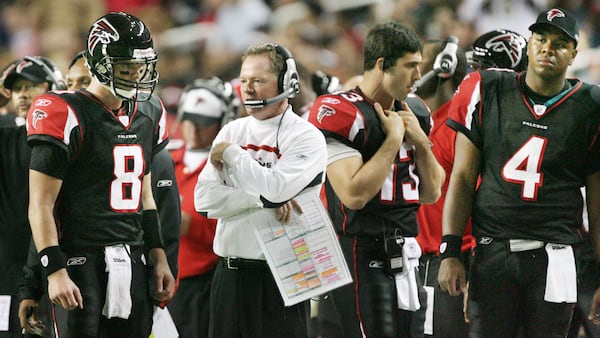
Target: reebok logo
76, 261
376, 264
164, 183
485, 240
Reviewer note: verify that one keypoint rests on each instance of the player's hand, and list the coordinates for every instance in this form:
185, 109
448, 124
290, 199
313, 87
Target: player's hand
452, 276
594, 315
392, 122
284, 212
216, 154
28, 318
414, 134
165, 282
5, 93
63, 291
466, 304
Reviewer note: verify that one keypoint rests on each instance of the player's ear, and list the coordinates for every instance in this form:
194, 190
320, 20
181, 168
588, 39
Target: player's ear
573, 55
380, 64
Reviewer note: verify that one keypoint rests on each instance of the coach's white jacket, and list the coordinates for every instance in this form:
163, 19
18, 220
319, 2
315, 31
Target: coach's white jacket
275, 159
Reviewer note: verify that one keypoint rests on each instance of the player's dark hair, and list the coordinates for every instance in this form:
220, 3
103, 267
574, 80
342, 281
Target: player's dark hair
390, 41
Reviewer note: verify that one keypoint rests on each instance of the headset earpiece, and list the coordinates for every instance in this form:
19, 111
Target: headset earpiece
288, 81
54, 74
288, 78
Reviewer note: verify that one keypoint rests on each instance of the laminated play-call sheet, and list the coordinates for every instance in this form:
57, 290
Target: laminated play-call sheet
304, 255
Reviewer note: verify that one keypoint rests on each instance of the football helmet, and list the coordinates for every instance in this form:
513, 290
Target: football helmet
120, 55
500, 48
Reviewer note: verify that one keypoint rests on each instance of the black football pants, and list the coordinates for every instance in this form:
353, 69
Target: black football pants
508, 290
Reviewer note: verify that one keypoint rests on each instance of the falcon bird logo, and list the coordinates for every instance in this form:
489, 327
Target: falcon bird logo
101, 32
323, 112
554, 13
36, 116
508, 43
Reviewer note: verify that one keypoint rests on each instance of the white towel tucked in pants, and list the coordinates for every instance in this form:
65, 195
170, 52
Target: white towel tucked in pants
118, 294
407, 289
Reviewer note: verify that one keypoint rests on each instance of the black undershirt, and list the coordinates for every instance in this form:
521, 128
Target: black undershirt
537, 98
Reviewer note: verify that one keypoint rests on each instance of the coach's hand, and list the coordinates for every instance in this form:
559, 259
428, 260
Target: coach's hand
216, 154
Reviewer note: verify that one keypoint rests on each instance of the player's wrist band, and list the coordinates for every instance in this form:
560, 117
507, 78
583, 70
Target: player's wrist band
451, 246
151, 226
52, 259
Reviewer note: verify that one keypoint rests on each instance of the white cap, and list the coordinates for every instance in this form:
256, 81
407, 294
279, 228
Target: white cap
202, 107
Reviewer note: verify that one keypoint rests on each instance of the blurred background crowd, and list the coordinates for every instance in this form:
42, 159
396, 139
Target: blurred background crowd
201, 38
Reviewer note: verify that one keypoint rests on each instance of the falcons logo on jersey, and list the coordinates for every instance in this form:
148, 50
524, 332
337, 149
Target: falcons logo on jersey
101, 32
508, 43
36, 116
554, 13
323, 112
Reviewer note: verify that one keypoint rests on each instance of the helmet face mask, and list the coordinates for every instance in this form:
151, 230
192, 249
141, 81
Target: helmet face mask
120, 55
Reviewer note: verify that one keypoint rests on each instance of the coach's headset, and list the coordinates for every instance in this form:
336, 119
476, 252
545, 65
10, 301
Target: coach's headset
288, 80
223, 90
53, 74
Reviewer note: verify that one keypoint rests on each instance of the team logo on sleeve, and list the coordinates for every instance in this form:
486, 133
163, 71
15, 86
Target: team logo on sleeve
554, 13
323, 112
101, 32
36, 116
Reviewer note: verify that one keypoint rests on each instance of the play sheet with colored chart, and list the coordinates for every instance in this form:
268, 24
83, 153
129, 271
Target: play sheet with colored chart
304, 255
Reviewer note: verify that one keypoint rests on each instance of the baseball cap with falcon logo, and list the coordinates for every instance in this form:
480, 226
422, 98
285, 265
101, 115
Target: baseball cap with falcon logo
559, 18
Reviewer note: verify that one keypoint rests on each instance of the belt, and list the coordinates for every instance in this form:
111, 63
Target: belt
235, 263
518, 245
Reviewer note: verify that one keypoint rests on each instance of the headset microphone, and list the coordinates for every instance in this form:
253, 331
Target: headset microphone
288, 81
266, 102
444, 64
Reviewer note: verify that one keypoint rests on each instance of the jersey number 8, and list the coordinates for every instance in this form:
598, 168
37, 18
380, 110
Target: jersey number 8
126, 188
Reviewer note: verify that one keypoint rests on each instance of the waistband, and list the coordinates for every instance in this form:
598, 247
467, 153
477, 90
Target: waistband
236, 263
514, 245
94, 250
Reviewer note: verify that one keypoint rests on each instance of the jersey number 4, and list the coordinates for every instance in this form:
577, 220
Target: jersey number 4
126, 188
524, 167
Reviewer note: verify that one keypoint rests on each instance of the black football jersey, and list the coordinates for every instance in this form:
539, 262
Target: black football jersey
535, 157
350, 118
100, 200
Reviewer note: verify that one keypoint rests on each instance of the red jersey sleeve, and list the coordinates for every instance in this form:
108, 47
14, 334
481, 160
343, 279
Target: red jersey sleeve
466, 100
336, 116
162, 128
49, 115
